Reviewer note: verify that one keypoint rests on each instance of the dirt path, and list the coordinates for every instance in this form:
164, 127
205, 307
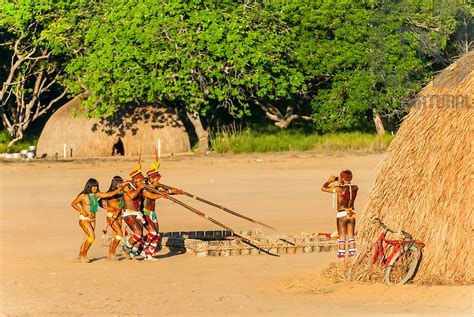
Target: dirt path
40, 239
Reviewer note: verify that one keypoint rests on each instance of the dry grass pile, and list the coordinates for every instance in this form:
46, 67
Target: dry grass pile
340, 272
336, 271
424, 184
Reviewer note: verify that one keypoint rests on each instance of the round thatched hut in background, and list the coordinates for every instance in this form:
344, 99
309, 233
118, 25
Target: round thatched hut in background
424, 183
128, 132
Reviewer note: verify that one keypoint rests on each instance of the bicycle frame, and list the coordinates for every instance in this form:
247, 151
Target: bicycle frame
398, 258
380, 250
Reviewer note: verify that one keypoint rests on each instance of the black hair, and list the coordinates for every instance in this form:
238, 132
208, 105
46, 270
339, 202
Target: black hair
115, 181
91, 182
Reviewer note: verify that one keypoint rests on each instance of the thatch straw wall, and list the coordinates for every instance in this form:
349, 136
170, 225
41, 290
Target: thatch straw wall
137, 127
424, 183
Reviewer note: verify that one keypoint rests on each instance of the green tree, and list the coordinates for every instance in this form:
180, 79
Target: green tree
462, 40
378, 56
336, 62
30, 62
199, 54
407, 39
332, 48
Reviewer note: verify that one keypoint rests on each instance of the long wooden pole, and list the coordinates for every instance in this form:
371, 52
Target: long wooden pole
247, 239
219, 206
104, 231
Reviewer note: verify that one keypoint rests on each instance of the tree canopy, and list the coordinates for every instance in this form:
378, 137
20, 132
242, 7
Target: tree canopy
338, 63
30, 62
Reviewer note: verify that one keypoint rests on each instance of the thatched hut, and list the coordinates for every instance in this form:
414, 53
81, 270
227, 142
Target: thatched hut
128, 132
424, 183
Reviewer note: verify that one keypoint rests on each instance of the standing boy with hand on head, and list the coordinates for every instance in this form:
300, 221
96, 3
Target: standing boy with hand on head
346, 194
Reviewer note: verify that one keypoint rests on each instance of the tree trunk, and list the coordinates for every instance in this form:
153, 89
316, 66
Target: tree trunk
378, 122
202, 134
281, 120
285, 122
17, 136
29, 79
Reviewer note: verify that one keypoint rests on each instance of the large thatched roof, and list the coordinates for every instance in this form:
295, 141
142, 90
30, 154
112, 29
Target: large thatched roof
424, 184
137, 128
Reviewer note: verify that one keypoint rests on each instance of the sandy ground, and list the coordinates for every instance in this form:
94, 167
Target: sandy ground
40, 239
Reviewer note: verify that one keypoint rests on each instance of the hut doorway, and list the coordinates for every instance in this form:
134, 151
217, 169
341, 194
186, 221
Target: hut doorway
118, 149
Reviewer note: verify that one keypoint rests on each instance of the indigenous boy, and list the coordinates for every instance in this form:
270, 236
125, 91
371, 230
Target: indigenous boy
149, 213
89, 203
114, 206
346, 194
132, 215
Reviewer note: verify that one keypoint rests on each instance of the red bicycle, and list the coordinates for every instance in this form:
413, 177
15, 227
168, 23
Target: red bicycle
399, 258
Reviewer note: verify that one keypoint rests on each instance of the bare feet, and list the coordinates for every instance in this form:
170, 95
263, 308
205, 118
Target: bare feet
126, 253
82, 259
111, 257
150, 258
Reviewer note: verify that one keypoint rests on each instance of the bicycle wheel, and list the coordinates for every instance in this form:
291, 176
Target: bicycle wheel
359, 268
403, 266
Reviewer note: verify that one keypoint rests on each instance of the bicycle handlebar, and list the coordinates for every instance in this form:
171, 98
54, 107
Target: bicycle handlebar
406, 235
384, 226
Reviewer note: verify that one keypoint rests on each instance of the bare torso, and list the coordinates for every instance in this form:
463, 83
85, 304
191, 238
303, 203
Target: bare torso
113, 204
149, 204
89, 203
130, 200
86, 206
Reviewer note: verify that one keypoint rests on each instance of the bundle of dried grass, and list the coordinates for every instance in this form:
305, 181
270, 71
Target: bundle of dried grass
424, 183
130, 130
336, 271
340, 272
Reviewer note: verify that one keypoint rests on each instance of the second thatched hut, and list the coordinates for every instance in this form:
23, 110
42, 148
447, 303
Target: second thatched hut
424, 184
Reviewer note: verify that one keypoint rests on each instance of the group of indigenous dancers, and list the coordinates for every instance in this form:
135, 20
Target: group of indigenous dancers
133, 202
